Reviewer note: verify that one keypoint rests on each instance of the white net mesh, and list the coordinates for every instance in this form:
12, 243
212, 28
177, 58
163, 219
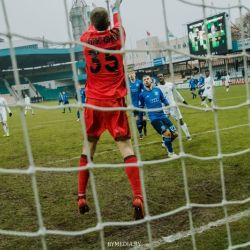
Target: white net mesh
32, 169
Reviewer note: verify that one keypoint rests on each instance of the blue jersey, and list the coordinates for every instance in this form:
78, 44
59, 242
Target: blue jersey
192, 83
152, 99
82, 95
65, 98
135, 89
201, 82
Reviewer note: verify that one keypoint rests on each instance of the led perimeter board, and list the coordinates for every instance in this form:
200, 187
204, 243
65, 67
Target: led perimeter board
218, 34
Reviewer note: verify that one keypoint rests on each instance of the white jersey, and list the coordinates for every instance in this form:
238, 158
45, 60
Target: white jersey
27, 101
4, 106
169, 91
209, 82
227, 80
3, 109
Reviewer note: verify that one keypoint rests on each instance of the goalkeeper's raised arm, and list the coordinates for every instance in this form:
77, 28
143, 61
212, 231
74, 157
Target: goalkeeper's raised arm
116, 20
115, 6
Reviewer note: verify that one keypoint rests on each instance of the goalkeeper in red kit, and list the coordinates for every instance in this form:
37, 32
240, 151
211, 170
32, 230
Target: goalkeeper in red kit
106, 87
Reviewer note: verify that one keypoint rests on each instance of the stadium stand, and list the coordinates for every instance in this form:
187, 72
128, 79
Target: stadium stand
3, 89
52, 94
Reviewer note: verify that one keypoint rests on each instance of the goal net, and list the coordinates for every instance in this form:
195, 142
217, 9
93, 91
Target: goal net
184, 169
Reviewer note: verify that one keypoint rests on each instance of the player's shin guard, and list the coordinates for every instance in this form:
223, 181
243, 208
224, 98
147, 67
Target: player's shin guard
5, 129
168, 144
185, 130
83, 176
139, 126
144, 125
133, 176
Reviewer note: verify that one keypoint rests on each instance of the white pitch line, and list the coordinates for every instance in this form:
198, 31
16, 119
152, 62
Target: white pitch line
222, 129
43, 124
230, 98
150, 143
185, 234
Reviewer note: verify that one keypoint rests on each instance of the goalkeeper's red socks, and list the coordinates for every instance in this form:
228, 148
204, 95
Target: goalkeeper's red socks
83, 176
133, 175
134, 179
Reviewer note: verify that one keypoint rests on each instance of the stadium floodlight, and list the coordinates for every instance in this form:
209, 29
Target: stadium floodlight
218, 34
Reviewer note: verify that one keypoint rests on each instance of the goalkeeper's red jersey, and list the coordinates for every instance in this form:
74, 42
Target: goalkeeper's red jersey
105, 72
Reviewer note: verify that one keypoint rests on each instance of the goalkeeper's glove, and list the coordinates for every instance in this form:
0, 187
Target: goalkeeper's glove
10, 114
185, 102
116, 5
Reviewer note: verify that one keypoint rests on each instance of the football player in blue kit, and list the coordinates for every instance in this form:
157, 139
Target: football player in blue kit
153, 98
136, 87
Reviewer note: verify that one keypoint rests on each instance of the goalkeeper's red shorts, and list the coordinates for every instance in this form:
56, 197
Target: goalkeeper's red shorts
116, 122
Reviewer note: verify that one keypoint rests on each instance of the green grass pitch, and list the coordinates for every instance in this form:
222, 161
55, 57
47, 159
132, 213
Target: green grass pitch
56, 141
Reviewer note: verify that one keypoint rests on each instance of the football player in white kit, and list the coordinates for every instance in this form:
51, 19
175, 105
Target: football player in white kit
3, 115
208, 92
227, 82
169, 91
27, 105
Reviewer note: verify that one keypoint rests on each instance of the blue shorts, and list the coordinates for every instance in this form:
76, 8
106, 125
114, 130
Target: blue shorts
200, 91
162, 125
